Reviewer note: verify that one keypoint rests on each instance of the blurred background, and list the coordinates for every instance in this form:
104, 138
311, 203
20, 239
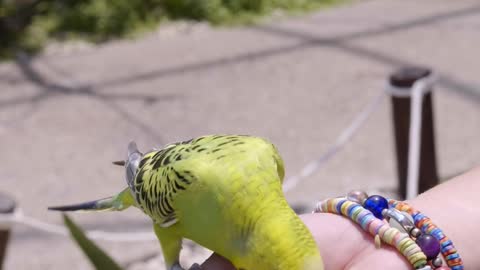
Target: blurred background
80, 79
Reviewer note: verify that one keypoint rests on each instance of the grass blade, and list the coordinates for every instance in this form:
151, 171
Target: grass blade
99, 259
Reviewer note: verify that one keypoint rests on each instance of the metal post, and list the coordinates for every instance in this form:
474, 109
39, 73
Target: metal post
7, 206
428, 177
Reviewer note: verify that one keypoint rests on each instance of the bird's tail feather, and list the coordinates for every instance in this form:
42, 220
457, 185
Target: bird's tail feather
118, 202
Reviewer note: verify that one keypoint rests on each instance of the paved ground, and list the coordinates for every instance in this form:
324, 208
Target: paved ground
64, 116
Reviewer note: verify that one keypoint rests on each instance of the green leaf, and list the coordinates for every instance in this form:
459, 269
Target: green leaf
99, 259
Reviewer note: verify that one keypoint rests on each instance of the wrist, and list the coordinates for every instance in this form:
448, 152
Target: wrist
344, 245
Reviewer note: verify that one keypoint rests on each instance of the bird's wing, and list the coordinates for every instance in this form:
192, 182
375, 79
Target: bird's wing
164, 174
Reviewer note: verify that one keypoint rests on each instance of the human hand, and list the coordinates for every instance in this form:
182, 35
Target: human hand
343, 245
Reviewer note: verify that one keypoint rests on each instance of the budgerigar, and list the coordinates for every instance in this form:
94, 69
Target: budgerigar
221, 191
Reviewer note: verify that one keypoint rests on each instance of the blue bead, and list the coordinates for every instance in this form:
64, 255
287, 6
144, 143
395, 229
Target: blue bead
452, 256
339, 206
418, 216
376, 204
365, 220
437, 233
446, 243
352, 208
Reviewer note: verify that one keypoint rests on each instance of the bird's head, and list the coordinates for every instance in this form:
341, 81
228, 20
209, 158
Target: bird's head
131, 164
122, 200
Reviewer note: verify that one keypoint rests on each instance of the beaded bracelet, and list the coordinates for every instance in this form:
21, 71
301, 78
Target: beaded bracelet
405, 221
374, 226
426, 225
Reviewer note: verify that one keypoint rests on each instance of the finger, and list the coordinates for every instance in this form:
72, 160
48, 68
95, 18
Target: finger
217, 262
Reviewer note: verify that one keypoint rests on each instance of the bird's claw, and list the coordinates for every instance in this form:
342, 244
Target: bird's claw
176, 267
195, 266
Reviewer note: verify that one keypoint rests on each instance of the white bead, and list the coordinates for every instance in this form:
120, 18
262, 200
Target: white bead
357, 196
399, 220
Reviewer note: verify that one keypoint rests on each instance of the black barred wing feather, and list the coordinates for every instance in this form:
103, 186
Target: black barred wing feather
164, 174
157, 183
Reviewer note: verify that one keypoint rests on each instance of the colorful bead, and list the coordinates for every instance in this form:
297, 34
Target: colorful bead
376, 204
428, 227
378, 241
415, 232
357, 196
437, 262
426, 267
400, 220
376, 227
429, 245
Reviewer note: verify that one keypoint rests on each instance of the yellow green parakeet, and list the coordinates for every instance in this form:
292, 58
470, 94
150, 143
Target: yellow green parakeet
221, 191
